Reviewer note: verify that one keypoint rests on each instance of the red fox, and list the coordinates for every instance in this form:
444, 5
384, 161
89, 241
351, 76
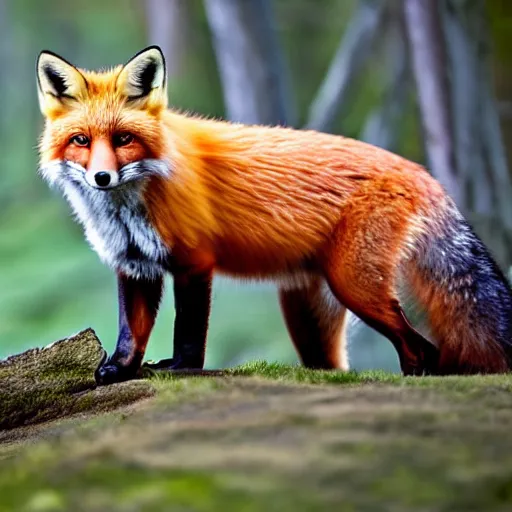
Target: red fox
338, 224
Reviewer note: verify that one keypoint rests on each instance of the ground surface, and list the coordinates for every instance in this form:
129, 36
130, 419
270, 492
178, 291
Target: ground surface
262, 437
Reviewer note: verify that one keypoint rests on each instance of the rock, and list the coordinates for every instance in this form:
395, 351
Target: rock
42, 384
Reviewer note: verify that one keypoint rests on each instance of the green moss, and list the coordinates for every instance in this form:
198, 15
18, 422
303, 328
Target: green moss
298, 373
58, 380
256, 444
287, 373
111, 487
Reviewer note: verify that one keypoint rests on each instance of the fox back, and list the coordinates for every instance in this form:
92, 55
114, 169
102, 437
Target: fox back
143, 179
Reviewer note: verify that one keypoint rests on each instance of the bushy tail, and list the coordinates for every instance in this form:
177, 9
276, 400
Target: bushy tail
467, 299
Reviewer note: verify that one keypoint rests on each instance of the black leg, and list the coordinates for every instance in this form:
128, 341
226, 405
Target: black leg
192, 296
139, 300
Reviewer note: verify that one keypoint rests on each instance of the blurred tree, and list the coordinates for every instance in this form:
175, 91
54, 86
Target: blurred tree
354, 48
382, 126
168, 21
428, 52
5, 59
251, 65
450, 56
444, 41
499, 13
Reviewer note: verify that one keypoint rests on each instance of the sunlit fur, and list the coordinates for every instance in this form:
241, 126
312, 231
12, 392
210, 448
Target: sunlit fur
301, 206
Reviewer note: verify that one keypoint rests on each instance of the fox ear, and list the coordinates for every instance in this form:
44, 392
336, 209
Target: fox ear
59, 82
143, 77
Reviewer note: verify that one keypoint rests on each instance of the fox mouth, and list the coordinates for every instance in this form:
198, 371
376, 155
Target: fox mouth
57, 172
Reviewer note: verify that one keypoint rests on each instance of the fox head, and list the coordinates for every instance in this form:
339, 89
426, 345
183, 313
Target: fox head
102, 129
103, 141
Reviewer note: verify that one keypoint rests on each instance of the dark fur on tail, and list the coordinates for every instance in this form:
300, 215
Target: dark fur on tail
467, 297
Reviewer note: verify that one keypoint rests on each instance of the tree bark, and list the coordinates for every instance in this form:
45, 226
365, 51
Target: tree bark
251, 64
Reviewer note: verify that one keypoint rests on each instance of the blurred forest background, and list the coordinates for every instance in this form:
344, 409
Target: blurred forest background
428, 79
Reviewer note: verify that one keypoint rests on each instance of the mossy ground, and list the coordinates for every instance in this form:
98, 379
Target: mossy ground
272, 437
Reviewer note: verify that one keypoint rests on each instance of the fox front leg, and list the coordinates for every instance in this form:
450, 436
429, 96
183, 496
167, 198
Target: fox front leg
139, 300
192, 299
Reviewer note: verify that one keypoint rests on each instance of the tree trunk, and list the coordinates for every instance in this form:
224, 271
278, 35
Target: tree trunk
167, 22
354, 48
463, 135
429, 62
382, 125
463, 39
251, 65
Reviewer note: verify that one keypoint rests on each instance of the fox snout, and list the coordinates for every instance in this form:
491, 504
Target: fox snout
102, 179
60, 172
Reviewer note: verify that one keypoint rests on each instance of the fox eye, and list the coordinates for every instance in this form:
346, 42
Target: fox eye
122, 139
79, 140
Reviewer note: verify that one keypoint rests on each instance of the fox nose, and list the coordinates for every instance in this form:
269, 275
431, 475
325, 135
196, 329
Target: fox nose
101, 170
102, 179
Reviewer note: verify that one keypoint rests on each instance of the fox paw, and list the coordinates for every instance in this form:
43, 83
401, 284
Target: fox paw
111, 372
180, 367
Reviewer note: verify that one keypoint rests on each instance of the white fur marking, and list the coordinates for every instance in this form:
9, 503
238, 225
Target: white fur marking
115, 220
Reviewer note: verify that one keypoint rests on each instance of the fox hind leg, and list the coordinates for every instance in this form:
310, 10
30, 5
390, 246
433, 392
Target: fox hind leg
382, 312
316, 322
361, 265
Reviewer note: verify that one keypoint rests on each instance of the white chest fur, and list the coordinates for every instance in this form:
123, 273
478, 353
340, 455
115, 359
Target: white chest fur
115, 221
117, 227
